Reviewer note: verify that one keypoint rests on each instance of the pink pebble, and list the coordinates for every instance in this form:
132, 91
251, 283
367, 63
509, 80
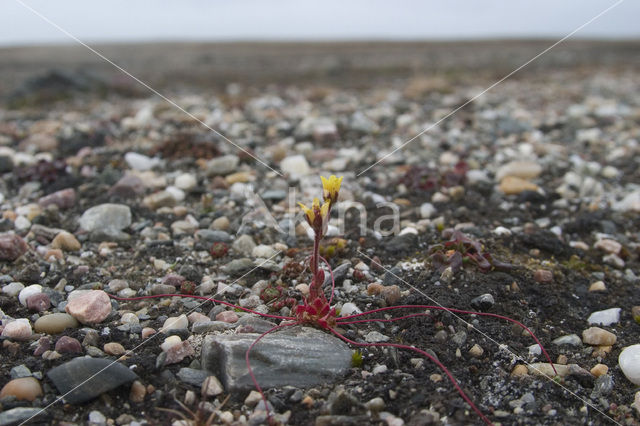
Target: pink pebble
17, 330
92, 307
12, 246
227, 316
147, 331
68, 345
64, 199
38, 302
177, 353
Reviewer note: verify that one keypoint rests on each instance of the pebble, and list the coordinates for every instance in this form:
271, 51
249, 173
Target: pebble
511, 185
186, 182
68, 345
571, 339
608, 245
66, 241
64, 199
83, 378
19, 329
91, 307
476, 351
483, 302
192, 376
427, 210
597, 286
114, 348
138, 392
221, 223
630, 203
263, 251
55, 323
375, 337
519, 169
244, 245
596, 336
12, 246
227, 316
159, 199
24, 389
211, 386
109, 218
606, 317
38, 302
349, 309
141, 162
13, 289
169, 342
222, 165
295, 166
175, 323
629, 361
519, 370
129, 318
543, 276
27, 292
599, 370
177, 353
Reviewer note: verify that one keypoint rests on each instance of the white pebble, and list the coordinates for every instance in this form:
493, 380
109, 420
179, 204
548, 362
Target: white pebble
13, 289
186, 182
29, 291
629, 361
606, 317
427, 210
349, 309
170, 342
176, 323
141, 162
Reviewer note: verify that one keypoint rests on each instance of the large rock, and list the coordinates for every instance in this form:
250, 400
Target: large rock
83, 379
297, 356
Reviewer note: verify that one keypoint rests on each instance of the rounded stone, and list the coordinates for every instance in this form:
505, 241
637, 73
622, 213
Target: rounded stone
114, 348
68, 345
38, 302
55, 323
598, 337
28, 291
66, 241
25, 389
629, 361
19, 329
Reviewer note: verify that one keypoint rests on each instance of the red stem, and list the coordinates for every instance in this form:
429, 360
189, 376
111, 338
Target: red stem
430, 357
253, 377
333, 281
460, 311
383, 320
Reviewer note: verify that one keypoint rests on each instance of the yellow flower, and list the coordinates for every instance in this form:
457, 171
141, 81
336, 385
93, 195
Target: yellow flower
308, 212
317, 215
330, 188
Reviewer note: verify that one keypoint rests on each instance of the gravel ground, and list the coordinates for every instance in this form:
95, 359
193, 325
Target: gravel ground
108, 191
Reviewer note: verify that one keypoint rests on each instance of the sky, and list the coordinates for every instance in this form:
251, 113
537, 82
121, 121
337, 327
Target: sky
298, 20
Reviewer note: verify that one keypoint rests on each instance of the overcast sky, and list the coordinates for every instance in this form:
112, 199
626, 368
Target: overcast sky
148, 20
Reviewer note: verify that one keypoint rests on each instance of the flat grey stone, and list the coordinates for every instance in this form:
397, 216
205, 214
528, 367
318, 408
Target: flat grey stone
17, 415
85, 378
192, 376
296, 356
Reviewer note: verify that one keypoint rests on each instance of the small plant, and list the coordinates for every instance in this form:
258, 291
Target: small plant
219, 249
356, 359
423, 178
316, 309
461, 250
